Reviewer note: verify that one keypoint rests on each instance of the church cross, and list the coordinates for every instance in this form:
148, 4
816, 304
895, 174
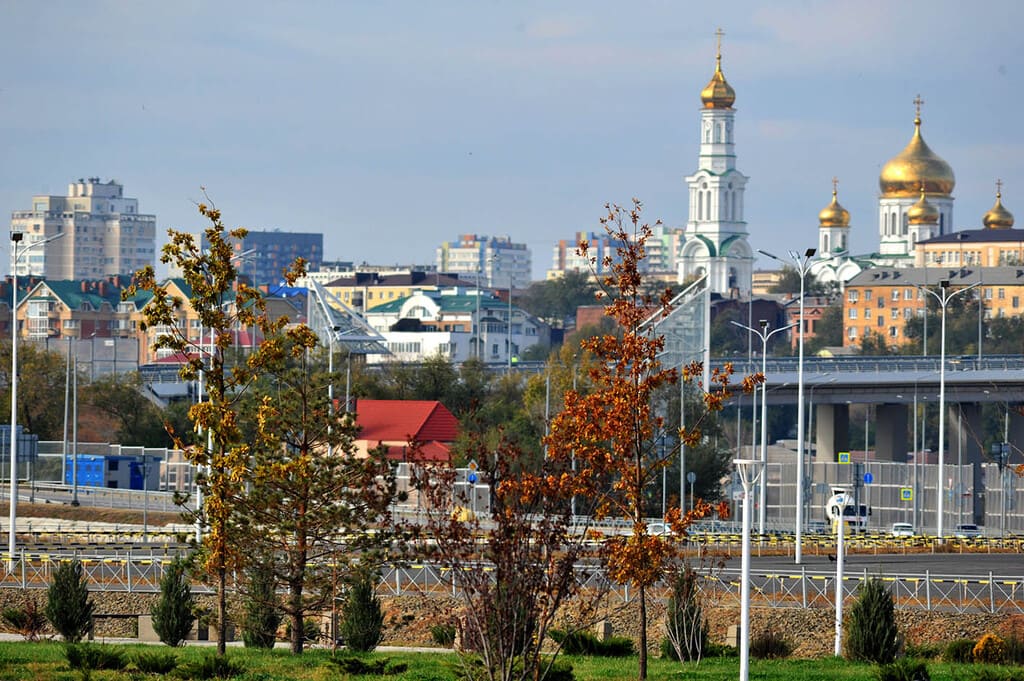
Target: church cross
999, 188
917, 105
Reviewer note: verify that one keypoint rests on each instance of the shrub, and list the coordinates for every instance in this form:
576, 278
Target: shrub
1014, 648
262, 614
473, 669
996, 674
585, 643
769, 645
903, 669
211, 667
928, 651
94, 656
358, 666
990, 648
363, 621
27, 621
685, 624
443, 634
871, 633
68, 606
960, 651
173, 613
156, 662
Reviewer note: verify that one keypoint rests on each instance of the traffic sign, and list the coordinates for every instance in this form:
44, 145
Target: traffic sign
844, 457
691, 477
472, 476
868, 478
906, 494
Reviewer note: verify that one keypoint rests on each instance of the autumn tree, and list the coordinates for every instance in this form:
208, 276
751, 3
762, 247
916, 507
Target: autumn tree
221, 302
40, 372
137, 420
609, 431
308, 482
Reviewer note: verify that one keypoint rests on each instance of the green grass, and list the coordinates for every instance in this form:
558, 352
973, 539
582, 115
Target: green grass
45, 660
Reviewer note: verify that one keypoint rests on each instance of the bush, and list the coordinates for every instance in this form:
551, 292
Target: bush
871, 633
156, 662
685, 624
996, 674
27, 621
928, 651
68, 606
94, 656
357, 666
310, 630
211, 667
262, 614
990, 649
362, 626
585, 643
769, 645
903, 669
473, 669
1014, 649
443, 634
960, 651
173, 613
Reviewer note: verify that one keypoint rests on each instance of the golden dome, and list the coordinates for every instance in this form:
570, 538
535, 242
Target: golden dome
922, 212
834, 215
998, 217
916, 165
718, 94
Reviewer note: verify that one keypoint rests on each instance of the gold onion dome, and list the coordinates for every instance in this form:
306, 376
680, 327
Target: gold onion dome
917, 164
922, 212
718, 94
998, 217
834, 215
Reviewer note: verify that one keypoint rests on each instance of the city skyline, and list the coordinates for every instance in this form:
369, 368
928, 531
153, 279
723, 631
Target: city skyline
419, 123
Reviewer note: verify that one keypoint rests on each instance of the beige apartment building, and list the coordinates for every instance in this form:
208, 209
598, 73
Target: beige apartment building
93, 232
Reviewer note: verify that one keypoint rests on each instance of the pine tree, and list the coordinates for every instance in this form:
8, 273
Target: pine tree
68, 606
262, 612
871, 633
173, 614
362, 627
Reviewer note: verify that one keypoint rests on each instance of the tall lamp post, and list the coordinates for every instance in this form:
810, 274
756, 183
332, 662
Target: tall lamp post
841, 502
764, 334
749, 471
802, 266
16, 238
943, 298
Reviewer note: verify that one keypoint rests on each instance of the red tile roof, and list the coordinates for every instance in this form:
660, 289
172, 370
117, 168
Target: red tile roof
405, 421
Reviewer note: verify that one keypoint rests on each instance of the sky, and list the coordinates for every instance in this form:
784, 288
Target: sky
391, 127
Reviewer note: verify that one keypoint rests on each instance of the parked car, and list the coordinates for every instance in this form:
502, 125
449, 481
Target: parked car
967, 531
902, 530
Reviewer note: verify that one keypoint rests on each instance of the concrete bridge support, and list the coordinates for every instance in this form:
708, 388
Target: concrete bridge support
891, 432
966, 438
832, 430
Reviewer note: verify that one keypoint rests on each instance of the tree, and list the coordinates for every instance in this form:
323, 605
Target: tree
685, 625
262, 610
308, 481
828, 332
609, 431
39, 373
221, 302
139, 421
556, 300
363, 622
871, 632
68, 606
789, 282
173, 613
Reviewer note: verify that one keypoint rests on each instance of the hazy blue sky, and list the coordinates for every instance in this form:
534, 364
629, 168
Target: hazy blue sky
394, 126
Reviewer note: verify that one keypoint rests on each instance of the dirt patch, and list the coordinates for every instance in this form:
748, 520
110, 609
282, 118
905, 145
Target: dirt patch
95, 514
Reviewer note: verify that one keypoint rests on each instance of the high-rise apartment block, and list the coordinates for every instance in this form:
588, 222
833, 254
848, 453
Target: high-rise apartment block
104, 233
265, 255
490, 261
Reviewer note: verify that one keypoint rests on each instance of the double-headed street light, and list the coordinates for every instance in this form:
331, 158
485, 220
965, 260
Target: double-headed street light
16, 238
943, 297
764, 334
749, 471
802, 266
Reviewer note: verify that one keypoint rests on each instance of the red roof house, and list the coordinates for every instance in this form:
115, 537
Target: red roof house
398, 423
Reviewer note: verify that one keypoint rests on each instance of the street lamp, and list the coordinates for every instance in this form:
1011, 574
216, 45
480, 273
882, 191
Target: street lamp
749, 471
764, 334
802, 266
16, 238
841, 501
943, 297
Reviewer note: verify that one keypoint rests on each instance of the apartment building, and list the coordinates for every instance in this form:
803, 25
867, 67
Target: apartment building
93, 232
263, 256
364, 290
492, 261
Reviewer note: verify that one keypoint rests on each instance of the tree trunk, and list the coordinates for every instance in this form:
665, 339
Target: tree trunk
643, 634
298, 632
222, 610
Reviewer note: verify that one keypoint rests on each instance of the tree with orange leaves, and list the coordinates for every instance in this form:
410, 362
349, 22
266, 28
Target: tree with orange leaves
609, 431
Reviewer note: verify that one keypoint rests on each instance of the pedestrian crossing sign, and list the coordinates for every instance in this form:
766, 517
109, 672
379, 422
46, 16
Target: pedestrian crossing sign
906, 494
844, 457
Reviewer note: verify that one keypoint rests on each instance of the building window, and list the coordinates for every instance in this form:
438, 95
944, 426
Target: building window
881, 320
1002, 294
895, 313
853, 313
908, 294
853, 296
895, 295
1015, 301
867, 294
893, 332
867, 313
908, 313
851, 332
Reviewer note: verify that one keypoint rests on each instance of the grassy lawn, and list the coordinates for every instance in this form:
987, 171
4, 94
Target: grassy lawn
44, 661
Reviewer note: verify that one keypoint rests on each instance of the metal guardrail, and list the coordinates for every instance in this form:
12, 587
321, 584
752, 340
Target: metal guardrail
140, 572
